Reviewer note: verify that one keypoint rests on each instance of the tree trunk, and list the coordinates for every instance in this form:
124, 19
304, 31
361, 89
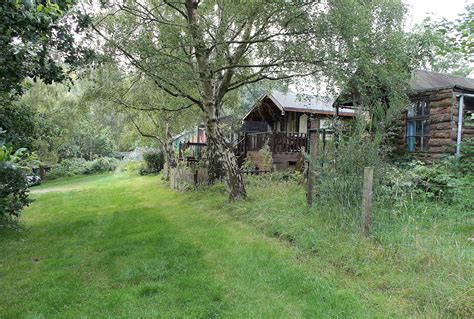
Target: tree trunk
169, 153
223, 154
212, 150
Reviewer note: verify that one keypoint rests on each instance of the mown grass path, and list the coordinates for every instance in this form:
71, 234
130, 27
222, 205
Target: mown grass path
126, 246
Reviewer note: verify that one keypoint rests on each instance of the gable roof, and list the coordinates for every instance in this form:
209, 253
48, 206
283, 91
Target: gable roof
292, 102
426, 80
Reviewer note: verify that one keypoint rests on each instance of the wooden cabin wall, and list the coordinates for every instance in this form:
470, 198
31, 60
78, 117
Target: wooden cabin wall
442, 127
443, 119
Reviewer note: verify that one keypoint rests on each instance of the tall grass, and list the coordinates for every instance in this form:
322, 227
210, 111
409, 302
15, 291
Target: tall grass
415, 263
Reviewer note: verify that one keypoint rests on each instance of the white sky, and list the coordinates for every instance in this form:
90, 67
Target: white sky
418, 10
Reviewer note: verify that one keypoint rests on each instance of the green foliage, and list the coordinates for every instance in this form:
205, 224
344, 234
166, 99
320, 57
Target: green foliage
248, 165
19, 121
33, 34
446, 181
339, 168
414, 242
466, 160
341, 164
79, 166
68, 167
129, 166
88, 141
283, 176
154, 162
13, 193
266, 158
69, 126
101, 164
451, 43
13, 184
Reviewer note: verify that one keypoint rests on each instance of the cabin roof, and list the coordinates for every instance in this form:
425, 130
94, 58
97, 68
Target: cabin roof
292, 102
421, 81
427, 80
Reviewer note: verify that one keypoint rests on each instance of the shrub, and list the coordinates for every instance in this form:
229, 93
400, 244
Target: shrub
13, 183
154, 162
442, 181
13, 192
248, 165
68, 167
79, 166
101, 164
466, 162
266, 158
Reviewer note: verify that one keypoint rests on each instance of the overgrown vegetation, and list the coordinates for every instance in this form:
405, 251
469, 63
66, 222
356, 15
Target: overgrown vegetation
191, 65
193, 254
154, 161
13, 186
13, 182
416, 260
79, 166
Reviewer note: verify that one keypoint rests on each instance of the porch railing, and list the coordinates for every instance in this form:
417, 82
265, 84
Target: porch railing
279, 142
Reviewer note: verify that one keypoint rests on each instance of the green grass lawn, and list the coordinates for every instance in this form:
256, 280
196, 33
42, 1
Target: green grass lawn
125, 246
120, 245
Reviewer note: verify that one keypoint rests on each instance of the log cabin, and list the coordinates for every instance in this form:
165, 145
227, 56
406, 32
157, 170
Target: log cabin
439, 117
282, 120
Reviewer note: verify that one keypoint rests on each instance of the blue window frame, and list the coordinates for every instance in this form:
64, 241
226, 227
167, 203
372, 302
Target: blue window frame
418, 127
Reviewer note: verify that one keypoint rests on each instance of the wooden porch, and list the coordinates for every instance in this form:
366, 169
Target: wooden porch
279, 142
286, 147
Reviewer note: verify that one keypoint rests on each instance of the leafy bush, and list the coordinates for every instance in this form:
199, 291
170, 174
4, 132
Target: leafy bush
341, 163
266, 158
248, 165
13, 183
13, 192
466, 162
79, 166
442, 180
101, 164
18, 121
68, 167
154, 162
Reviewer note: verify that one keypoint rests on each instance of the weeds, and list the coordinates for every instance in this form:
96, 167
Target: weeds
416, 261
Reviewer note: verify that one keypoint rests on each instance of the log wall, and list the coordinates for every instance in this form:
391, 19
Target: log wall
443, 123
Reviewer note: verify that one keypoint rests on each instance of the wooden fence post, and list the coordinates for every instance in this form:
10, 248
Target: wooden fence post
313, 152
367, 200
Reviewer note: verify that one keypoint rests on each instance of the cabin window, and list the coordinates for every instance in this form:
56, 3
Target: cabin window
418, 126
469, 119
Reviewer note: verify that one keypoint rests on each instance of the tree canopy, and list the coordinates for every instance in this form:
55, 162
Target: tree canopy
36, 38
199, 52
451, 43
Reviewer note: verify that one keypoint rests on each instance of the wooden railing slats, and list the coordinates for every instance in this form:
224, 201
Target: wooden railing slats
279, 142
